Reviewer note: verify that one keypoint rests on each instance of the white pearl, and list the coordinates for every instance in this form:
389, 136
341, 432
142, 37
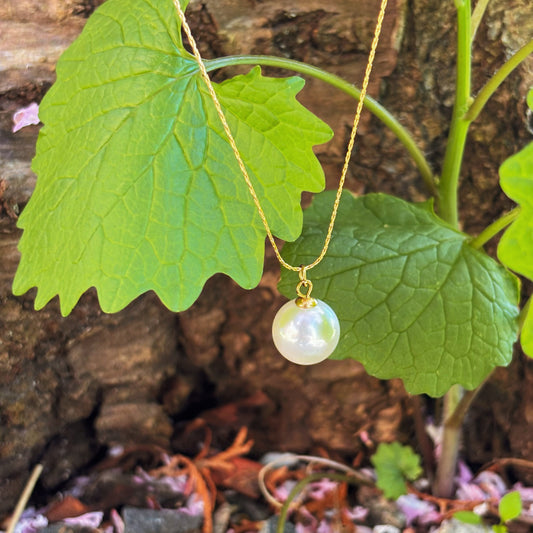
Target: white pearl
308, 334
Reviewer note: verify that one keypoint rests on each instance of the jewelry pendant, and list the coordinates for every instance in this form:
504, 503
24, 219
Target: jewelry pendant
306, 330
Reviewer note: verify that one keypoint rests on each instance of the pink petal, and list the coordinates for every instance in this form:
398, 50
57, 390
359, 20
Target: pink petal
365, 438
470, 491
86, 520
319, 489
526, 493
282, 492
324, 527
300, 528
491, 483
465, 474
308, 522
117, 521
31, 525
416, 509
26, 116
357, 513
194, 506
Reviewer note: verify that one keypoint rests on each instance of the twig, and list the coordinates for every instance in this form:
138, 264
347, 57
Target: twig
293, 459
203, 489
24, 497
298, 489
199, 470
445, 504
515, 462
239, 447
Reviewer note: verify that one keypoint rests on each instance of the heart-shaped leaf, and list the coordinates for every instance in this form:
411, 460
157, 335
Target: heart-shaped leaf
515, 249
138, 188
415, 301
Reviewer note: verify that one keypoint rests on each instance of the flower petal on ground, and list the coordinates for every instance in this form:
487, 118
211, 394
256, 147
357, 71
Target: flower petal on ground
26, 116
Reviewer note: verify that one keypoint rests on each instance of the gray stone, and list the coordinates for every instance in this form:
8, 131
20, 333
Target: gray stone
159, 521
456, 526
270, 526
61, 527
385, 529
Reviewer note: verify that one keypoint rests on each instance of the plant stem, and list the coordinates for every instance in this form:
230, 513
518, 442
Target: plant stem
447, 463
459, 127
495, 228
24, 497
477, 16
490, 88
374, 107
523, 313
457, 417
456, 404
449, 184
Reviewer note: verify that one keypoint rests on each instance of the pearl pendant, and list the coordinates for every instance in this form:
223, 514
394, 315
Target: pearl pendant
306, 331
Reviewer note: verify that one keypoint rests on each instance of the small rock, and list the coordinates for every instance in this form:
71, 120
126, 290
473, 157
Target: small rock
160, 521
61, 527
385, 529
271, 525
456, 526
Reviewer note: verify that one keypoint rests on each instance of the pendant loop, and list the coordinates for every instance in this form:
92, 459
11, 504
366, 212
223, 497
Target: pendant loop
304, 295
304, 282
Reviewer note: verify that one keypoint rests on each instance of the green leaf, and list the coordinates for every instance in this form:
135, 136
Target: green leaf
414, 300
526, 335
510, 506
138, 188
394, 464
515, 249
499, 528
467, 517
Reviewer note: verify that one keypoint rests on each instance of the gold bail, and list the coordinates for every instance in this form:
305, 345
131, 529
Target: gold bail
304, 282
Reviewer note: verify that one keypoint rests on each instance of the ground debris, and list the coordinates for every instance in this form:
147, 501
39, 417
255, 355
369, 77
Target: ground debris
145, 489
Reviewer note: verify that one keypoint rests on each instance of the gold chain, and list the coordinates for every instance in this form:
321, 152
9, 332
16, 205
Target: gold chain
302, 269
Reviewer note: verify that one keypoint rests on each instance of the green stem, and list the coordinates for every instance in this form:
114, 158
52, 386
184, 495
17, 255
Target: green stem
490, 88
374, 107
447, 464
449, 184
457, 417
493, 229
477, 16
523, 313
459, 127
304, 482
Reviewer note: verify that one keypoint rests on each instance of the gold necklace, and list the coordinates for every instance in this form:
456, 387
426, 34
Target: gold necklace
305, 330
